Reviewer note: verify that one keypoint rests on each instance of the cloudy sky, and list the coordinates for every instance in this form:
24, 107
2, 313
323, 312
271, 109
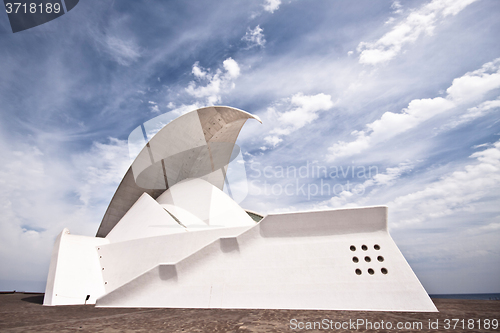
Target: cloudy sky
372, 103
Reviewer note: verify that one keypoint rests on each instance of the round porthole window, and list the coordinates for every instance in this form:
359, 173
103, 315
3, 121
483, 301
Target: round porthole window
358, 271
376, 247
384, 270
353, 248
355, 259
367, 259
370, 271
364, 247
380, 258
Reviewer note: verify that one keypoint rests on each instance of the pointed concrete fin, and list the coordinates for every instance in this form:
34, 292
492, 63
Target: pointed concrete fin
146, 218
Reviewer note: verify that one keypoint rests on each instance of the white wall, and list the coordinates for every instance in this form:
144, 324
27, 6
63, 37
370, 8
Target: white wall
146, 218
74, 270
287, 261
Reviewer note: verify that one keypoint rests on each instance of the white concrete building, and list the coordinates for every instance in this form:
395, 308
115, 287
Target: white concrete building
172, 238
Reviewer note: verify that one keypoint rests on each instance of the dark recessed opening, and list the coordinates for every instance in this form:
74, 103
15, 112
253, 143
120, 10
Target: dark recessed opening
370, 271
384, 271
358, 271
380, 258
376, 247
364, 247
353, 248
355, 259
367, 259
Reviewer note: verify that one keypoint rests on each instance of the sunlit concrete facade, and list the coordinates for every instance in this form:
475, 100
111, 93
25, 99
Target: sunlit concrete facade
171, 237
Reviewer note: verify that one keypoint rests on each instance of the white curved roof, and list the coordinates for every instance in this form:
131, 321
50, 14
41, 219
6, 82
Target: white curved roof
198, 144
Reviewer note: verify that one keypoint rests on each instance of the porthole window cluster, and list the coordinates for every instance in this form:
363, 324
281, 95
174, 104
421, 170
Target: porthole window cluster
367, 258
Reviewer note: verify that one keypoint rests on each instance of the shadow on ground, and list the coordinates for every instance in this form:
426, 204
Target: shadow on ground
33, 299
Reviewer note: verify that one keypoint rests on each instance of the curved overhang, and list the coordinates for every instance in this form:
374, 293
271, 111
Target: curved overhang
198, 144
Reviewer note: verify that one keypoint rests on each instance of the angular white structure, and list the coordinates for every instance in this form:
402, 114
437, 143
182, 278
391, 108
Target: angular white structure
172, 238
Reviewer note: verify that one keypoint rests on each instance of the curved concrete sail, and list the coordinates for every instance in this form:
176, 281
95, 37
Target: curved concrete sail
199, 144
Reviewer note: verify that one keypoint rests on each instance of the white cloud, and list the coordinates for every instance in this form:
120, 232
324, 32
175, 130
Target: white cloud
207, 87
103, 166
302, 110
271, 5
355, 195
390, 125
390, 20
420, 21
341, 200
216, 84
473, 85
254, 37
390, 176
482, 109
125, 52
458, 191
307, 109
396, 5
197, 71
475, 112
469, 88
154, 107
272, 140
231, 67
41, 193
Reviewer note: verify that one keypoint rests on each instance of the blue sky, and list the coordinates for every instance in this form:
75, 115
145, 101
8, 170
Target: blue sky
407, 89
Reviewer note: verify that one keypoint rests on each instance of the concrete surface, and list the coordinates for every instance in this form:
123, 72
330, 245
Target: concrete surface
198, 144
340, 259
74, 271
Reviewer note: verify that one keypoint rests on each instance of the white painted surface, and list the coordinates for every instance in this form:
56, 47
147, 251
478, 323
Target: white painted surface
146, 218
197, 203
198, 144
125, 261
302, 267
74, 271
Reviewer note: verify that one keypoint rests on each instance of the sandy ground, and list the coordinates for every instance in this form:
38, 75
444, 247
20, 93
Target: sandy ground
24, 313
